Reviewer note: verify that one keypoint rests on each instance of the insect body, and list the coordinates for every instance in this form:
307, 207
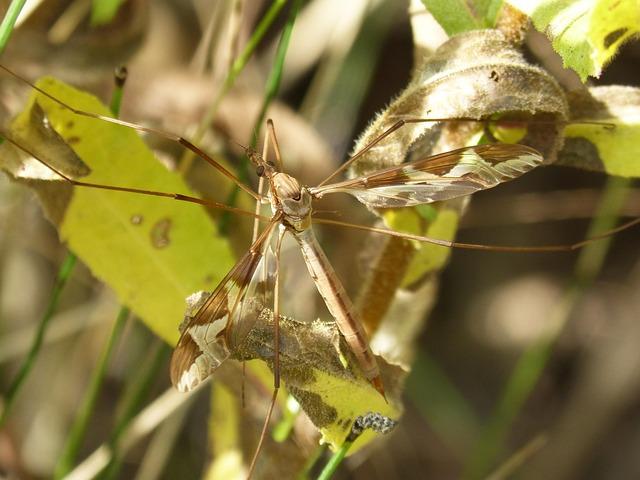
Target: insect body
434, 178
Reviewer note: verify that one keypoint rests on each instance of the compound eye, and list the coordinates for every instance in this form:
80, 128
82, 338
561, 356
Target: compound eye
260, 170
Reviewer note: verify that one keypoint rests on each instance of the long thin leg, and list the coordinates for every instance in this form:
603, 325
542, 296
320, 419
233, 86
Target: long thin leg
405, 121
171, 136
276, 355
399, 124
276, 315
475, 246
254, 237
174, 196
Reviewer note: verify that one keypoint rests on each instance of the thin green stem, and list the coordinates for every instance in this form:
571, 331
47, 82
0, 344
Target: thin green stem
534, 360
9, 21
120, 77
335, 461
63, 275
236, 68
272, 87
85, 412
592, 257
140, 385
275, 75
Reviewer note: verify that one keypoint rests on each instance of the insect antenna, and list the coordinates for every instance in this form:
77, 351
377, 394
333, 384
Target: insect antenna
175, 196
271, 131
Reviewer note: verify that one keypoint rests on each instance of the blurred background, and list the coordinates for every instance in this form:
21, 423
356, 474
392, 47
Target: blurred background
490, 387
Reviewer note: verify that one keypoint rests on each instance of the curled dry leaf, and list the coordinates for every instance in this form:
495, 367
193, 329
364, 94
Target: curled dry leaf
319, 370
474, 75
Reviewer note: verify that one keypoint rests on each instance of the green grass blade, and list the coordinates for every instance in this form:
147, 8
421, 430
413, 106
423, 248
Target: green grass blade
335, 461
9, 21
441, 404
139, 386
533, 361
237, 67
85, 412
271, 90
63, 275
275, 75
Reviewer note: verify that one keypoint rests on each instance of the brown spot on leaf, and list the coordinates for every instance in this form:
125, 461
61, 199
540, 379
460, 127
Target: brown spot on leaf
160, 233
613, 37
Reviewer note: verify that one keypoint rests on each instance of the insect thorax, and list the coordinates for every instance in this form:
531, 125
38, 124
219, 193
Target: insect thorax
293, 200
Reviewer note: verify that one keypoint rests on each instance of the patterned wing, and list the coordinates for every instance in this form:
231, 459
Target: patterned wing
227, 315
439, 177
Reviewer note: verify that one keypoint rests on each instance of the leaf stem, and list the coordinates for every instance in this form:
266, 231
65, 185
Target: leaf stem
132, 402
335, 461
533, 361
271, 90
311, 461
85, 412
237, 67
63, 275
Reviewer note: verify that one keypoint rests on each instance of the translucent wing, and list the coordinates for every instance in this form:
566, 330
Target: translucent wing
226, 316
439, 177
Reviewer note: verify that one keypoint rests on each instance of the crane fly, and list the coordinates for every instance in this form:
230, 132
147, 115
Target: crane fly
204, 342
229, 313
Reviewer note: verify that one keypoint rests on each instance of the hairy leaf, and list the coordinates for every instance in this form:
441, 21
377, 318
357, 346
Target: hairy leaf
473, 75
321, 373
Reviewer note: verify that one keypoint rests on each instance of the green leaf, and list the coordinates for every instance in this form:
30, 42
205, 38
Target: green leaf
459, 16
328, 392
103, 11
152, 251
428, 258
322, 374
586, 33
453, 16
612, 147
